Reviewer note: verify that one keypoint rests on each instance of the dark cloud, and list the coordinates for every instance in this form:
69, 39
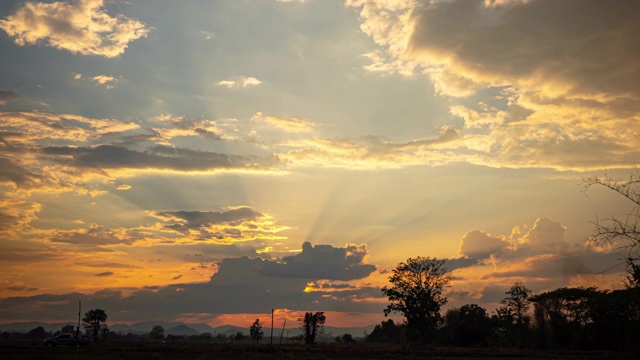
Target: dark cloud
104, 274
459, 263
21, 288
241, 285
21, 177
204, 219
323, 262
158, 157
234, 225
94, 236
7, 96
107, 265
588, 45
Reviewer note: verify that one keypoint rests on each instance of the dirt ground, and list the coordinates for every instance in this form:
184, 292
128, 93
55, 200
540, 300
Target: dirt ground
21, 350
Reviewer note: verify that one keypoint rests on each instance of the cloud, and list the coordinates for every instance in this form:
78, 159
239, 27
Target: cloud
8, 96
549, 92
323, 262
541, 258
288, 124
29, 126
207, 35
234, 225
82, 26
241, 285
480, 245
104, 274
108, 81
21, 288
219, 130
95, 236
110, 157
239, 82
123, 187
371, 152
15, 214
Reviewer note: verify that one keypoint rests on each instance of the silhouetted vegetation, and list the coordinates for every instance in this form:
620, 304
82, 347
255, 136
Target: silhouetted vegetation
416, 292
157, 333
255, 331
311, 324
95, 321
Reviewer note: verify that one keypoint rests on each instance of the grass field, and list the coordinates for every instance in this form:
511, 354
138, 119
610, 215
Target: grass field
150, 351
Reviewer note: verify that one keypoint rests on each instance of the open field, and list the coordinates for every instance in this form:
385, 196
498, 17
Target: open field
150, 351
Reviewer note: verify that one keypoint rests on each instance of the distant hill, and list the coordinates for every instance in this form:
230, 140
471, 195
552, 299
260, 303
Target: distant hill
181, 328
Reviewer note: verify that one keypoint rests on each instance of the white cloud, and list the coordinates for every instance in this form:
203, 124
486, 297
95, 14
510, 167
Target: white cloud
239, 82
82, 26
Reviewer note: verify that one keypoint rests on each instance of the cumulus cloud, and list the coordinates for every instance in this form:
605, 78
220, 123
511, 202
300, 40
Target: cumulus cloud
323, 262
239, 82
7, 96
82, 26
541, 258
480, 245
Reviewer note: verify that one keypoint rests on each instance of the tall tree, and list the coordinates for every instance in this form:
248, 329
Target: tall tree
416, 292
312, 324
516, 307
95, 320
255, 331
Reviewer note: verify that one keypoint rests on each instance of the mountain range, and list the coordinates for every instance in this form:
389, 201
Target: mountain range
180, 328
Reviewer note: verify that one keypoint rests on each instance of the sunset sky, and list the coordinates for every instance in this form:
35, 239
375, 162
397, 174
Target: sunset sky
208, 161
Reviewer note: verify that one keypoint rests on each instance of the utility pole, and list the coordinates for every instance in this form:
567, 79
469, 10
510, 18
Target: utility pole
78, 328
271, 327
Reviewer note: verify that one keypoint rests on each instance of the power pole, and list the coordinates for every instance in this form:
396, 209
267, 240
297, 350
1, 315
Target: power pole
78, 328
271, 327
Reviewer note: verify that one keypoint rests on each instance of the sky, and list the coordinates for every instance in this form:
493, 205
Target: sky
208, 161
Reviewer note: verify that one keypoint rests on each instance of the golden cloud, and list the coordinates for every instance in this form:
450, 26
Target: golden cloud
82, 26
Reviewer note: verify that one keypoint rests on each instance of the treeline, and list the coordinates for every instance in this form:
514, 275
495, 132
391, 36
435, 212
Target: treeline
566, 318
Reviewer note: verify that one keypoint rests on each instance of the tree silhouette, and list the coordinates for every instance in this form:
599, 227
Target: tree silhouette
416, 292
37, 333
95, 320
633, 274
622, 233
515, 308
311, 324
255, 331
68, 329
468, 325
157, 333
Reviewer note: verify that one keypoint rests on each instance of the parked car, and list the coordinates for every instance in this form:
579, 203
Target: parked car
65, 339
